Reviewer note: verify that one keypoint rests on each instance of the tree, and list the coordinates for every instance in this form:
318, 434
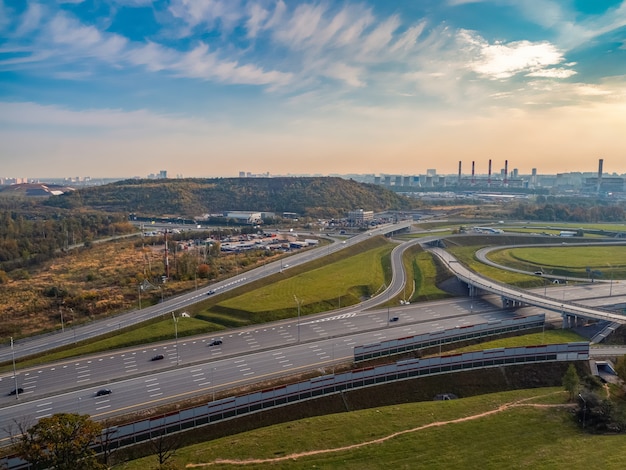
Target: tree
61, 442
571, 381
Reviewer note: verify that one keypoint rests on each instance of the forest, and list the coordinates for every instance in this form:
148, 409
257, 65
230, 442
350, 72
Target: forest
323, 197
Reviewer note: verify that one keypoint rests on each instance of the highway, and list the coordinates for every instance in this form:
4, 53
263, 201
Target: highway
190, 367
41, 343
523, 296
247, 356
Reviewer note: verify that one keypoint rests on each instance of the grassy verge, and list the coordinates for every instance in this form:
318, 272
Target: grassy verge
433, 435
566, 261
466, 254
423, 276
343, 279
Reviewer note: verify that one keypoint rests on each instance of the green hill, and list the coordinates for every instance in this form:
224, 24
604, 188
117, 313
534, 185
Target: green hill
312, 197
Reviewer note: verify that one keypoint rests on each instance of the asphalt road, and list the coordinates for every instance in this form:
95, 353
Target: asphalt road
37, 344
246, 356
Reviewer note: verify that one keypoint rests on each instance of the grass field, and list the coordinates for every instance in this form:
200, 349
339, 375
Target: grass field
317, 287
466, 255
519, 429
423, 276
566, 261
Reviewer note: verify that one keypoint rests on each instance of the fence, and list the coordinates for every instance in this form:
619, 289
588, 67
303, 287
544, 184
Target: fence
410, 343
232, 407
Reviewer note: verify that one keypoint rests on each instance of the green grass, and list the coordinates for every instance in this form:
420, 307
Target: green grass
566, 261
532, 339
423, 275
517, 437
466, 254
318, 289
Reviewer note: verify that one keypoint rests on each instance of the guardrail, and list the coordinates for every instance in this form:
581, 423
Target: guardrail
233, 407
411, 343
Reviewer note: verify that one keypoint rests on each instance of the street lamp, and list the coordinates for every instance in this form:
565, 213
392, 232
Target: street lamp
584, 409
17, 390
176, 336
298, 303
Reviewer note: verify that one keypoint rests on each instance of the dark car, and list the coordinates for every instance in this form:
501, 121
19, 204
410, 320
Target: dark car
215, 342
393, 319
16, 391
104, 391
157, 357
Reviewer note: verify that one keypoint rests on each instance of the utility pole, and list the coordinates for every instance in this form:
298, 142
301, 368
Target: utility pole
176, 335
17, 390
298, 303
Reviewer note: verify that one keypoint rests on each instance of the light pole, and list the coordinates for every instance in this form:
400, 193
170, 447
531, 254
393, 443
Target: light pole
17, 390
584, 409
62, 324
212, 384
298, 303
176, 336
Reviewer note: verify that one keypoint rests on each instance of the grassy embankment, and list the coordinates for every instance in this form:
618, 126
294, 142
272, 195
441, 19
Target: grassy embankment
345, 277
566, 261
516, 429
423, 275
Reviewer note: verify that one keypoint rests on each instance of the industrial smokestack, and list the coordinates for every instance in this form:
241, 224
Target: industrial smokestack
472, 173
506, 172
600, 165
489, 174
459, 172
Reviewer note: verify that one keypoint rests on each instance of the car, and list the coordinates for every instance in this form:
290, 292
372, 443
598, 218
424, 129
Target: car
157, 357
103, 391
16, 391
211, 292
394, 319
215, 342
538, 273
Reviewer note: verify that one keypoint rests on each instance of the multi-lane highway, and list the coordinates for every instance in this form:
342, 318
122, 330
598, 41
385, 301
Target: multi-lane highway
41, 343
191, 367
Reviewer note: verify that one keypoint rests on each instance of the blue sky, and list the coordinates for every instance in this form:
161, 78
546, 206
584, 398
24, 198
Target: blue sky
121, 88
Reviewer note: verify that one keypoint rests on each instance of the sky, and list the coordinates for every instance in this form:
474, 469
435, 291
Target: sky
209, 88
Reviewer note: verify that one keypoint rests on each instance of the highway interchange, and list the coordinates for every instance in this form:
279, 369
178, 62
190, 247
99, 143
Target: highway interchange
191, 368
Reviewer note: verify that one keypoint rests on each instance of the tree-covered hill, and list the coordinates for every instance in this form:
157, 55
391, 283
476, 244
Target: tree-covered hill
313, 197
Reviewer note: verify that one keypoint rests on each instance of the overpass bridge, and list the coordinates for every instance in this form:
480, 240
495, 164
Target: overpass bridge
573, 314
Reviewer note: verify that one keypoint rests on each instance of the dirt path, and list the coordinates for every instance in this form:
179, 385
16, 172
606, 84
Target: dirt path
294, 456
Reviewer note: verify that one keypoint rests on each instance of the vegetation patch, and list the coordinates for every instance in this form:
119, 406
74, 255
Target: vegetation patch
609, 261
344, 278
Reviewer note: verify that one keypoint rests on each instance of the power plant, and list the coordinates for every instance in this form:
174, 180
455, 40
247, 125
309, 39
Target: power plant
588, 182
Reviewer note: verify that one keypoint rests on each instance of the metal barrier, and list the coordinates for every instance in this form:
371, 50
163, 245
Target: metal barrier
232, 407
410, 343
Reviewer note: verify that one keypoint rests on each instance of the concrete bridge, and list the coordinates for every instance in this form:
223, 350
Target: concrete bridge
573, 314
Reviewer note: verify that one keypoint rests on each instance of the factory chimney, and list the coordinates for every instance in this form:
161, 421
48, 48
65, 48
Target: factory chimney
600, 165
459, 173
473, 174
506, 172
489, 175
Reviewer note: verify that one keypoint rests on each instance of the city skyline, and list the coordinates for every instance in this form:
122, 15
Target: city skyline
211, 88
